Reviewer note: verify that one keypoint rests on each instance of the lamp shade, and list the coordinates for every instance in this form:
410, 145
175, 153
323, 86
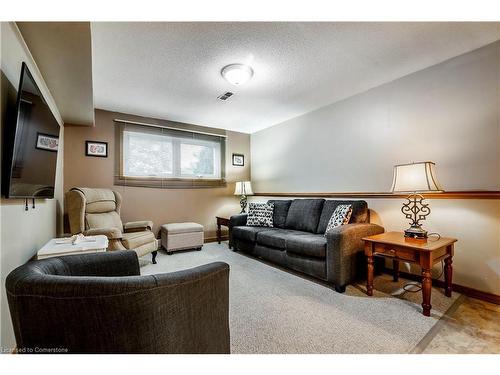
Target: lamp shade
415, 177
243, 188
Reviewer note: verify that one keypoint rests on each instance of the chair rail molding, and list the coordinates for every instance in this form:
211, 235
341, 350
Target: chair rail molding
465, 194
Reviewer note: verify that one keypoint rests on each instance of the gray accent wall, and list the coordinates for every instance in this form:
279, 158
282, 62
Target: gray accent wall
448, 113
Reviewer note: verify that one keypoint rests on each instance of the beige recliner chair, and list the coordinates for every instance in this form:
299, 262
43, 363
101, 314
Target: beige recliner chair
97, 211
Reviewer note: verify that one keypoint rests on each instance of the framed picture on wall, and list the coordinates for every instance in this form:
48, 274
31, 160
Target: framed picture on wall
96, 148
239, 160
47, 142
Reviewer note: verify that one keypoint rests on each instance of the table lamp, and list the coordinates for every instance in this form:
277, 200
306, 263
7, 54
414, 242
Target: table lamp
415, 178
243, 188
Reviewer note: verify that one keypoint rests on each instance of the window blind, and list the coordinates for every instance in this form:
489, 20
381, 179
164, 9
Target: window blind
166, 157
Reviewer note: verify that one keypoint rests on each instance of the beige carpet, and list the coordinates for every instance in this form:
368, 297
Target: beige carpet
274, 311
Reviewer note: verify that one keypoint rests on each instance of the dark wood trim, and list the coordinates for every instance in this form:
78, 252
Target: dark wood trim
469, 194
214, 239
469, 292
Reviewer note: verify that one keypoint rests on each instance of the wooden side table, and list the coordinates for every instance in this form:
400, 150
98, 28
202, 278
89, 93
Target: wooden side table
395, 246
221, 221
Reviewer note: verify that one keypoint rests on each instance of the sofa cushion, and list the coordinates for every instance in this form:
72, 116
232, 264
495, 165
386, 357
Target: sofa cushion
277, 238
133, 240
313, 245
359, 213
247, 233
304, 214
311, 266
280, 212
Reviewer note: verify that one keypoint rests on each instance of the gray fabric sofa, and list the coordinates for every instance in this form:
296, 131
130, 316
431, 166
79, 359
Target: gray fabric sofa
297, 241
99, 303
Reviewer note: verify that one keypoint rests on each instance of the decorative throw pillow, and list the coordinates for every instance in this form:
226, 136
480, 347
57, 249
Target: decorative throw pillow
340, 216
260, 214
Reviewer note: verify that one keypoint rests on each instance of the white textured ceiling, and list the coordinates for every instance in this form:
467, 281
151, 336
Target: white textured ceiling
172, 70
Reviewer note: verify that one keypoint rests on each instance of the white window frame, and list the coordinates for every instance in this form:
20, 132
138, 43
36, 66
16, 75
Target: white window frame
124, 156
176, 157
198, 142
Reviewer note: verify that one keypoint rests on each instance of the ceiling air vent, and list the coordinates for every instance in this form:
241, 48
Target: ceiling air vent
225, 96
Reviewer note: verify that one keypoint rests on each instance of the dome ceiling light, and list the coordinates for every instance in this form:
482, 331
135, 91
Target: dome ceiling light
237, 74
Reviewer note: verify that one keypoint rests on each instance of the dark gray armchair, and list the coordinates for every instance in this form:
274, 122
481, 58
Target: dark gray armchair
99, 303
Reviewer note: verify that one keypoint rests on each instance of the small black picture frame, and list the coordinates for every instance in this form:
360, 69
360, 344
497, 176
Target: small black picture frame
96, 149
239, 160
47, 142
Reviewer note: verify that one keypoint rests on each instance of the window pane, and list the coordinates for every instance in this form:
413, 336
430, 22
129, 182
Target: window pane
200, 159
164, 154
147, 154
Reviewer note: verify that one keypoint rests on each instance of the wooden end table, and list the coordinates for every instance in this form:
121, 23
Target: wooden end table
395, 246
221, 221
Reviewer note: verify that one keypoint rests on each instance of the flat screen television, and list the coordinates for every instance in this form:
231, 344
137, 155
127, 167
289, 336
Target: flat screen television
31, 142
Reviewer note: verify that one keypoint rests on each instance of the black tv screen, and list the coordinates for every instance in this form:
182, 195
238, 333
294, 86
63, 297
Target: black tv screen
31, 142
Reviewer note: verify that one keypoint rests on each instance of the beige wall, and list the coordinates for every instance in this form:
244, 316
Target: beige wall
160, 205
448, 113
63, 51
23, 232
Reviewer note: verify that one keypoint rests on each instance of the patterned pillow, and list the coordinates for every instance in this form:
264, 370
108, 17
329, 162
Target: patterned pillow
260, 214
340, 216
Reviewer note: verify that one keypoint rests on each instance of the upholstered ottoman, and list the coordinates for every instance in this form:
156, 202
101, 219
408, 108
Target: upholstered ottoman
181, 236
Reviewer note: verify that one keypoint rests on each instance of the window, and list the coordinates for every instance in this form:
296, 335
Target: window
199, 159
147, 155
163, 157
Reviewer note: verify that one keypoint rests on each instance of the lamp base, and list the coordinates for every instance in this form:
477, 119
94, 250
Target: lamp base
243, 203
416, 210
416, 232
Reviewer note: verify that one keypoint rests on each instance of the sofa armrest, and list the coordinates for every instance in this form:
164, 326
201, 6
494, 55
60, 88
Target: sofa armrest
237, 220
234, 221
111, 233
345, 254
138, 226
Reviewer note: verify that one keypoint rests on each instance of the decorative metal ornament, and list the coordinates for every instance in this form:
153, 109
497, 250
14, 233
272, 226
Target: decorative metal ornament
243, 203
416, 210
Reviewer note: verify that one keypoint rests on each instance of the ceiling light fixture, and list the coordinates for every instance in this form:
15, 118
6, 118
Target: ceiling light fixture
237, 74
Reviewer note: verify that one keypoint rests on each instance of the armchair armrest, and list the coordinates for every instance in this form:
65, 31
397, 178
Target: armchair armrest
111, 233
202, 294
138, 226
344, 251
